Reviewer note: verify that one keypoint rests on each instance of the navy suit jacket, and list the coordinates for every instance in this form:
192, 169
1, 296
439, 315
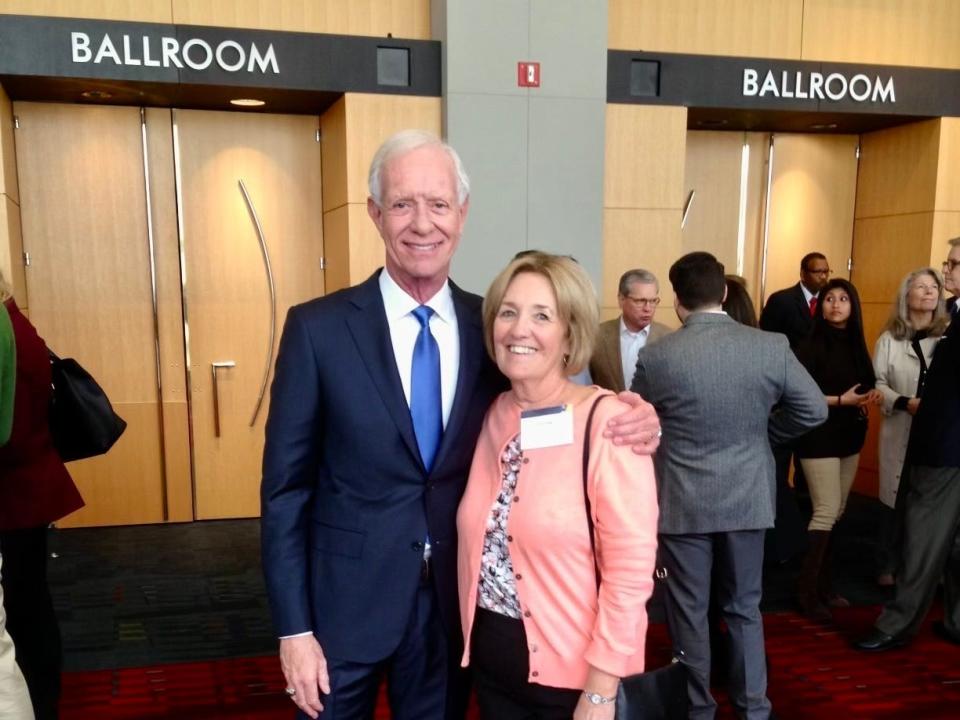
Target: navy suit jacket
346, 500
788, 312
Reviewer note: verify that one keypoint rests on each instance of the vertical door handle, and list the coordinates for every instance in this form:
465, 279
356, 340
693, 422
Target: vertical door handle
255, 219
214, 366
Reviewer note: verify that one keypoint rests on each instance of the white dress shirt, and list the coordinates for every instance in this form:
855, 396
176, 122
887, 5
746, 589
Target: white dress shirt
631, 343
404, 328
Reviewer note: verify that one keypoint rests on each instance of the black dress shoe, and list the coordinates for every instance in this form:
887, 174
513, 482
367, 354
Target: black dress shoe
942, 632
877, 641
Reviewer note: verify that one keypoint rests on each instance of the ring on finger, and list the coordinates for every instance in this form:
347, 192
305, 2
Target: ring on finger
290, 691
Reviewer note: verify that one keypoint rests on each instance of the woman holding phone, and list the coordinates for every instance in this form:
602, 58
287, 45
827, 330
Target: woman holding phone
835, 354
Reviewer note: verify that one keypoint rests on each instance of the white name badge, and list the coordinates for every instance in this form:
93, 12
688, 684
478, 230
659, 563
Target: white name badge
546, 427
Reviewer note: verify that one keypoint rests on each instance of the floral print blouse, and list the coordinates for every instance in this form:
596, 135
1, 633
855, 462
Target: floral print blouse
498, 586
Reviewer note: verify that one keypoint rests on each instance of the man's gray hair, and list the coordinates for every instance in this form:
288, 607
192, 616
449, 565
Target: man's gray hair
407, 141
954, 242
637, 275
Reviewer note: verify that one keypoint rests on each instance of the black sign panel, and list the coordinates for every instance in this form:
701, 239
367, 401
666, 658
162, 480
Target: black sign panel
154, 55
706, 81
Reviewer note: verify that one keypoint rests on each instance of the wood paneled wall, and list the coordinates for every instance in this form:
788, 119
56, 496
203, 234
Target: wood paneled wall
402, 18
752, 28
643, 197
920, 33
11, 241
886, 32
138, 10
350, 132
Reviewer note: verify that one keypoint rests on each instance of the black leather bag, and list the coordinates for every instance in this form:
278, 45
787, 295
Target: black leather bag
659, 694
82, 421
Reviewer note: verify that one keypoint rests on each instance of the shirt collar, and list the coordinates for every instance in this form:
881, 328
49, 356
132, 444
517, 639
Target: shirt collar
624, 330
807, 294
398, 303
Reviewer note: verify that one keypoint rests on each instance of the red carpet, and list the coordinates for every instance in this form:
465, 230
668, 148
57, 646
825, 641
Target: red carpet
814, 674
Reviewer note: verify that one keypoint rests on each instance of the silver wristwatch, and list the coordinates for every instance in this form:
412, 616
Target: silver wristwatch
596, 699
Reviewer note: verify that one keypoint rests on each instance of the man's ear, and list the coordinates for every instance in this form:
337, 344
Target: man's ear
374, 211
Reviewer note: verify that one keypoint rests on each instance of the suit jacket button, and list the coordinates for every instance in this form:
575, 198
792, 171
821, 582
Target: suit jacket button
417, 545
518, 576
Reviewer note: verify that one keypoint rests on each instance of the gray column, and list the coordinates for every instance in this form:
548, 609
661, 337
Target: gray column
535, 156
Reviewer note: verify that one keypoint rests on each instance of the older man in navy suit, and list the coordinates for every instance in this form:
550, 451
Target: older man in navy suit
376, 405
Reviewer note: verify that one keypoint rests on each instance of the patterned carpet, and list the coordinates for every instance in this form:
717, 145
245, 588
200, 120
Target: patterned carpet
814, 675
171, 622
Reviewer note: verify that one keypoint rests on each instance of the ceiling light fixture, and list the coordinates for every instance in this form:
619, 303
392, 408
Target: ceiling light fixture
247, 102
96, 95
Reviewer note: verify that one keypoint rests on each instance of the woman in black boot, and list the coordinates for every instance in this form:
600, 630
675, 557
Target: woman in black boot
836, 356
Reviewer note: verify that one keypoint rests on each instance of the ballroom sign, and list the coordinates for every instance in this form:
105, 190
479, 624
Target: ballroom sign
705, 82
166, 51
162, 64
818, 86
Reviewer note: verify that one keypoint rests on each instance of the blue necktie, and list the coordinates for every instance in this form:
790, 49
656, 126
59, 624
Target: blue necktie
425, 389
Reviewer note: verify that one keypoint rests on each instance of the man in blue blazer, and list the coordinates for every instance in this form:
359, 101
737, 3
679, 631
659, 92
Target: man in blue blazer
362, 476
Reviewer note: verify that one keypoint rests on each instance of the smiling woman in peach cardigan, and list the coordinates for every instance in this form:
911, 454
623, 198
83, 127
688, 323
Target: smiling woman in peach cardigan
541, 641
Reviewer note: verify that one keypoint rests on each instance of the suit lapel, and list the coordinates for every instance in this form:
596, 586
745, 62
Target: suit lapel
470, 329
614, 358
371, 333
803, 307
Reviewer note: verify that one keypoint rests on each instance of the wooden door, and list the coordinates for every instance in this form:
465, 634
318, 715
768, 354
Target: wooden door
812, 194
236, 170
89, 289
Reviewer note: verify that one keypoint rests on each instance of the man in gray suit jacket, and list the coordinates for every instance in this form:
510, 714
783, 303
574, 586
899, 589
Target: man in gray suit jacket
615, 356
723, 392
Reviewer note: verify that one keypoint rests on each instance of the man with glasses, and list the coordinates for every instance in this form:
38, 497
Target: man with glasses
615, 357
790, 311
932, 505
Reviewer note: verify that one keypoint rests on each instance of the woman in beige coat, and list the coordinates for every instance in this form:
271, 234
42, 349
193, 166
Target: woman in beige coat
900, 360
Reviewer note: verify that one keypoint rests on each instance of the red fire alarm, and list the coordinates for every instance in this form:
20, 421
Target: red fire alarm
528, 74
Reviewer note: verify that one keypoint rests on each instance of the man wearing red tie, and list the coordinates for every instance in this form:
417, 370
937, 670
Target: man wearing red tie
790, 311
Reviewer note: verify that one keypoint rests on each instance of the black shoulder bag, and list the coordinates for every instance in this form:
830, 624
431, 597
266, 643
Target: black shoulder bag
659, 694
82, 421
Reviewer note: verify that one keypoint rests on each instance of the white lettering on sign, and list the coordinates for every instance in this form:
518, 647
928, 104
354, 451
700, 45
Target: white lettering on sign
196, 53
817, 86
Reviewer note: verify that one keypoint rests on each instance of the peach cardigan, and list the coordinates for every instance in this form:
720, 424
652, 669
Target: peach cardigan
566, 629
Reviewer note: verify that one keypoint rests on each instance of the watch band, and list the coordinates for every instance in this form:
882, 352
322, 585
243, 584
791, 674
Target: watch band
597, 699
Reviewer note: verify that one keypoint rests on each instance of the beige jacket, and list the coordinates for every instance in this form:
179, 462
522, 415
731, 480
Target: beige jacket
897, 368
606, 367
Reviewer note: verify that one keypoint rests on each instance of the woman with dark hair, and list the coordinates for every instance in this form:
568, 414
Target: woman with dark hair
738, 304
835, 354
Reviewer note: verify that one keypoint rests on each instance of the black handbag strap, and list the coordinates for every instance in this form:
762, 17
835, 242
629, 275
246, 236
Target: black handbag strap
586, 494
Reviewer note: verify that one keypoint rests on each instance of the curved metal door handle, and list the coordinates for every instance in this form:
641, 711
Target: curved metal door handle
273, 298
214, 366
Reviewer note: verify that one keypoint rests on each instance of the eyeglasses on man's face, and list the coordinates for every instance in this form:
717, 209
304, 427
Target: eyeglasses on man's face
643, 302
826, 272
951, 265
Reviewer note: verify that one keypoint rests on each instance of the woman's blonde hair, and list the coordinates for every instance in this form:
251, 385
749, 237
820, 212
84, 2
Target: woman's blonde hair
576, 303
6, 289
899, 323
